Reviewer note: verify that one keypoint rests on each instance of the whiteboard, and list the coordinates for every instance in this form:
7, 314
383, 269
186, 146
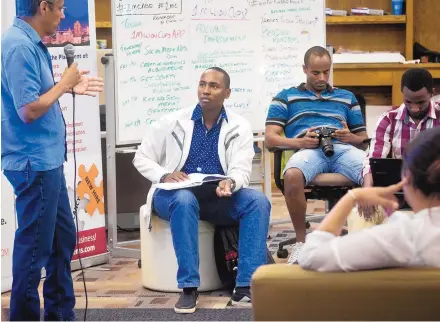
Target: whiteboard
161, 48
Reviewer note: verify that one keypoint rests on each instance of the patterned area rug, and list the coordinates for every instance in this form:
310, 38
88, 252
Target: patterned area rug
282, 234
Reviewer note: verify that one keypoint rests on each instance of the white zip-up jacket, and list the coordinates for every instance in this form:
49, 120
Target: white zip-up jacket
166, 146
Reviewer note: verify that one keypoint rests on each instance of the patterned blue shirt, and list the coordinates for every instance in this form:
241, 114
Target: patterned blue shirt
26, 75
297, 109
203, 154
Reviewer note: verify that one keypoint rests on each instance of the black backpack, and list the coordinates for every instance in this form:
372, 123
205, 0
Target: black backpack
226, 254
420, 51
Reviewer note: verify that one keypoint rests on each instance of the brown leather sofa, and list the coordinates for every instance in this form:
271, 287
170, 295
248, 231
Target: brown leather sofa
284, 292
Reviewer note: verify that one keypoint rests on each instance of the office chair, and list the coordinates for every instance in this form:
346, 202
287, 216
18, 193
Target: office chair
325, 186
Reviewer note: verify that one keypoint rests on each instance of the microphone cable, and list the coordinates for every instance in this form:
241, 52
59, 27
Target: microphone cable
75, 209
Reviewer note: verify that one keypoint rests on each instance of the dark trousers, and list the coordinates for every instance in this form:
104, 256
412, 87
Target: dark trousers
45, 237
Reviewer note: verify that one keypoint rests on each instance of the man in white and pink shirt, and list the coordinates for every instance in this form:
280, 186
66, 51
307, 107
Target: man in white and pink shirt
395, 129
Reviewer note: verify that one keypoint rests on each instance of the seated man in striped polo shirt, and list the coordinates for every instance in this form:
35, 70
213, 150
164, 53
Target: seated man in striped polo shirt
293, 116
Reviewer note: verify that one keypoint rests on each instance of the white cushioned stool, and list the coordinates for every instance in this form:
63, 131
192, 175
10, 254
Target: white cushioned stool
159, 262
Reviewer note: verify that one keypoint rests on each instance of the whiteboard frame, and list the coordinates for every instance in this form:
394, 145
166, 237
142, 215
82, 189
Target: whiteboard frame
115, 73
116, 78
118, 142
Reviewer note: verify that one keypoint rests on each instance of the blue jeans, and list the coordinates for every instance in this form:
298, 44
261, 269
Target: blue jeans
347, 160
45, 237
183, 209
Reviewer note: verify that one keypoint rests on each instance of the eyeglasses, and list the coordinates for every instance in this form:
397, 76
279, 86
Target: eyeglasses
63, 9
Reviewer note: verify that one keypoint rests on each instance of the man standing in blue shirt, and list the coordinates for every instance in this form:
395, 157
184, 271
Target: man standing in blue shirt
33, 153
293, 115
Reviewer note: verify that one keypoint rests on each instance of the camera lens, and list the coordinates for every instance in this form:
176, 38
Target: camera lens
328, 151
327, 147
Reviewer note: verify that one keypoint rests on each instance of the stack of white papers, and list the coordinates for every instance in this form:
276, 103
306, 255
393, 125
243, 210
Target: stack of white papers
195, 179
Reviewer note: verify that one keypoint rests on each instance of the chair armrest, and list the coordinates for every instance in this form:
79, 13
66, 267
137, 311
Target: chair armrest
280, 149
277, 156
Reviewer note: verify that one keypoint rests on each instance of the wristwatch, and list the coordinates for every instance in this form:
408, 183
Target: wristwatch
163, 178
233, 184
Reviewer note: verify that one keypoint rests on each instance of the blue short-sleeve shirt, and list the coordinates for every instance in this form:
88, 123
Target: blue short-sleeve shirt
297, 109
26, 75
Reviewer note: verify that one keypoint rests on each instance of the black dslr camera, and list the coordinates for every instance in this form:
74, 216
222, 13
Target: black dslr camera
325, 140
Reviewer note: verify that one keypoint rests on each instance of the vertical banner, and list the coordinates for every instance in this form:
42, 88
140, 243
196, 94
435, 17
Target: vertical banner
7, 193
78, 28
8, 229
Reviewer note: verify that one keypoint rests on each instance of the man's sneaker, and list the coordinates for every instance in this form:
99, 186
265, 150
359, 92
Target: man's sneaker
241, 296
187, 301
294, 253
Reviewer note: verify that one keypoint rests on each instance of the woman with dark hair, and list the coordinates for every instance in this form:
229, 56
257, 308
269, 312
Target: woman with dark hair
404, 241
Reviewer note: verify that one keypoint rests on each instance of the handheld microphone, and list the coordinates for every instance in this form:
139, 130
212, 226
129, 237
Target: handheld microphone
69, 51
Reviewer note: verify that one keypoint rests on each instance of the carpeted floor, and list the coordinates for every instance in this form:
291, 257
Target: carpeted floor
160, 315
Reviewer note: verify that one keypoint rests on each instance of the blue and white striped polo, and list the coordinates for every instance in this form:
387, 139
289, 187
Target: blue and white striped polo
297, 109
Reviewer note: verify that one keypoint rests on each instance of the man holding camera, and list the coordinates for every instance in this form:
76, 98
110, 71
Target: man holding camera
324, 125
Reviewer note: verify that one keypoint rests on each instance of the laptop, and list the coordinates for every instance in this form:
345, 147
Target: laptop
387, 172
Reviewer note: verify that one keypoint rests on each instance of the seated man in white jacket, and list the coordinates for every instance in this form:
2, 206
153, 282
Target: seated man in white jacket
209, 139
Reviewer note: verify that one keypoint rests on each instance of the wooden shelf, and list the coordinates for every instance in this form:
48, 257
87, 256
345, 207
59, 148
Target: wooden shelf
384, 66
378, 75
103, 24
364, 20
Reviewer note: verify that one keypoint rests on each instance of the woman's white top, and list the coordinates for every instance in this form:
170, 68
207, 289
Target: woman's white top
403, 241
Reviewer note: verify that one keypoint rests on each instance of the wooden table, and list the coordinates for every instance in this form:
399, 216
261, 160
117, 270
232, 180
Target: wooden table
378, 75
